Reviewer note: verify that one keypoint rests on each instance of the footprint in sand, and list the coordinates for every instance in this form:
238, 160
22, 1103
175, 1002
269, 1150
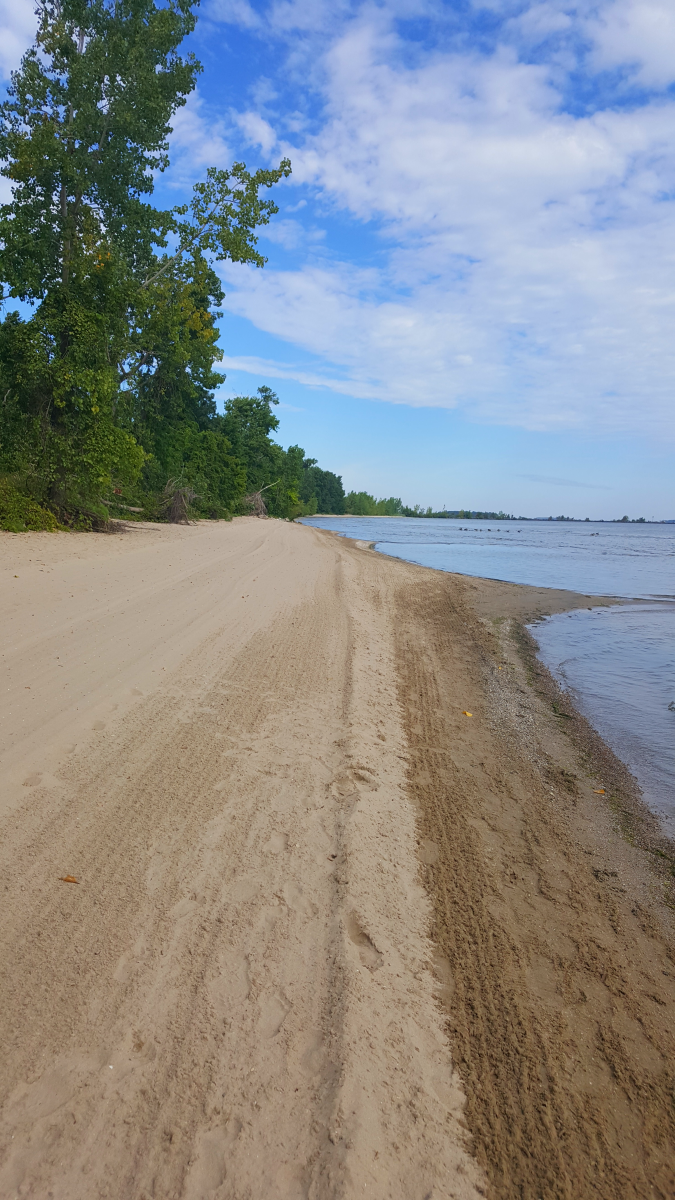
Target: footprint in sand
368, 952
209, 1168
230, 984
273, 1012
277, 843
312, 1057
429, 852
296, 899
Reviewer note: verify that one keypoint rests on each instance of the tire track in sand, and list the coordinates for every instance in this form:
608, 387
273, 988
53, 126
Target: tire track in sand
559, 987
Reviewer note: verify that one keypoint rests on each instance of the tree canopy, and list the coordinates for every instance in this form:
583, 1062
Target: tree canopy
108, 374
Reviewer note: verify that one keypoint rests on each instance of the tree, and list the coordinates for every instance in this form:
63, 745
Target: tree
360, 504
320, 491
120, 290
247, 424
285, 498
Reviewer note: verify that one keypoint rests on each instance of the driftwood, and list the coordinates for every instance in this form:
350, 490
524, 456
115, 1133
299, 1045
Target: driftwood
257, 507
176, 502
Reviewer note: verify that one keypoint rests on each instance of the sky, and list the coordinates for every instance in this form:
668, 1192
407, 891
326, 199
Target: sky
470, 293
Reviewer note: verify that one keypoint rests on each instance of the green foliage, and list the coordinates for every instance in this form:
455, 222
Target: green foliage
57, 427
392, 507
247, 423
85, 125
170, 408
284, 499
461, 514
19, 513
362, 504
320, 491
108, 386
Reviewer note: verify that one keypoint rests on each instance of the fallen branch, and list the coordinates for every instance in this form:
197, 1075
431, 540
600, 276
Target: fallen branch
256, 502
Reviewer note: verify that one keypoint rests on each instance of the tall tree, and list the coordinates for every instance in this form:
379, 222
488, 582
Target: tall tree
320, 490
110, 277
247, 424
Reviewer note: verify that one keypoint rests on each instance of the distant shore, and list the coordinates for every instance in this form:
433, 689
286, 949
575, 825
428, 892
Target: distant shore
453, 517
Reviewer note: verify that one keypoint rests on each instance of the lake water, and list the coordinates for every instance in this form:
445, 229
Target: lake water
618, 663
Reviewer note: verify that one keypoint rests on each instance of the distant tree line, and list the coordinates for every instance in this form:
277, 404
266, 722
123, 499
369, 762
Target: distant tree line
362, 504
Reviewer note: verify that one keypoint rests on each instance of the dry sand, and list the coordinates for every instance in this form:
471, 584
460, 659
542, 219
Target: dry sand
308, 884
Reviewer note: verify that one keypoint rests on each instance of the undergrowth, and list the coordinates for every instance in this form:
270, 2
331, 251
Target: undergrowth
19, 514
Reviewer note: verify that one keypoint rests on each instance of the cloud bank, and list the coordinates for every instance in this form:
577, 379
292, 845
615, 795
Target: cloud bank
521, 190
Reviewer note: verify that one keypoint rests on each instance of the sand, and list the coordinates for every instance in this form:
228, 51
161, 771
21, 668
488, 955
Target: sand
330, 936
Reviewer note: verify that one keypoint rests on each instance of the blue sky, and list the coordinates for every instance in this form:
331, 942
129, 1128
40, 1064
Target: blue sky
470, 293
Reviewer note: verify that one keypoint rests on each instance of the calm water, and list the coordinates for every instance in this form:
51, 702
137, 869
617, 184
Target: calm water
618, 663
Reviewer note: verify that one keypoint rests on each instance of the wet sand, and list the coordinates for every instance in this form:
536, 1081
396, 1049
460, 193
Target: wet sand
330, 936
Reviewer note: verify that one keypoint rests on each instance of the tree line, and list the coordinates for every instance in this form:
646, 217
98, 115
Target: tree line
362, 504
108, 365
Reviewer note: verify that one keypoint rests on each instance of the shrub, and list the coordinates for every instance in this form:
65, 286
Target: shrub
18, 513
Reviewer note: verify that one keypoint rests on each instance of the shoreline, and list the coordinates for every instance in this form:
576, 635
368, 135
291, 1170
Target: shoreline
639, 821
310, 883
545, 911
639, 824
546, 767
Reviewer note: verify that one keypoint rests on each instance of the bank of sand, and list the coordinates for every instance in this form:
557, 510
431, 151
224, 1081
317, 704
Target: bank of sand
331, 936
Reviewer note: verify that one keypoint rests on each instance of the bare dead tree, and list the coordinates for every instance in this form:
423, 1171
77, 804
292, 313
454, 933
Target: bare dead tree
254, 500
176, 502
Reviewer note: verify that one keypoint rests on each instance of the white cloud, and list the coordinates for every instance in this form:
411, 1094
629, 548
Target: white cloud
286, 233
197, 142
538, 22
291, 234
531, 271
256, 130
234, 12
254, 365
507, 359
291, 16
17, 31
638, 34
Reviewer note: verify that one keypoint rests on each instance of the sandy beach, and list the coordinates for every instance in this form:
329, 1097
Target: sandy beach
361, 907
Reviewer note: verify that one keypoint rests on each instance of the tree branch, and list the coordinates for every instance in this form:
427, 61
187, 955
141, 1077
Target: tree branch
171, 261
147, 354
